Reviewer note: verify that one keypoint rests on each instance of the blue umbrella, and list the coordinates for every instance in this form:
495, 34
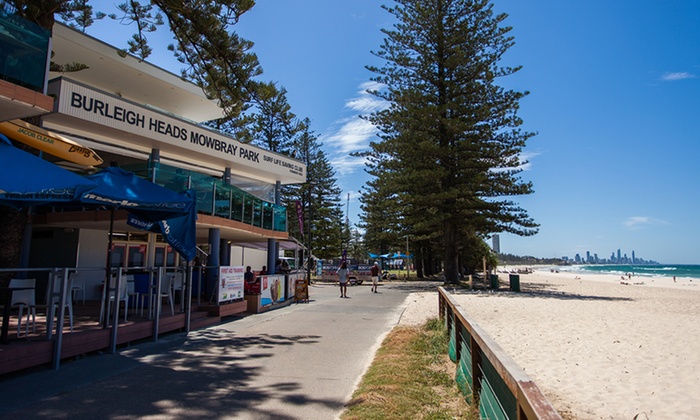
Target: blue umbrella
179, 231
151, 207
26, 180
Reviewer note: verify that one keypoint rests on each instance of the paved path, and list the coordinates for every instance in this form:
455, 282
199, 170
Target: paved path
299, 362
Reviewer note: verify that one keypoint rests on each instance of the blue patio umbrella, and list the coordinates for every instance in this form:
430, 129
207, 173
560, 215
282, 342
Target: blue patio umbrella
150, 206
179, 231
26, 180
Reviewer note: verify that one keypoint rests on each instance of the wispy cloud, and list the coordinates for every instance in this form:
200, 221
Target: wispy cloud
641, 222
526, 160
353, 134
674, 76
346, 164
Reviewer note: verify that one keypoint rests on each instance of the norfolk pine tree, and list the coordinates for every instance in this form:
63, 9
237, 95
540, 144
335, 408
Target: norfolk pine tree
450, 140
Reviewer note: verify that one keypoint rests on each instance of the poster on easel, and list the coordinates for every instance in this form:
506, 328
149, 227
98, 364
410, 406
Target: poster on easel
231, 281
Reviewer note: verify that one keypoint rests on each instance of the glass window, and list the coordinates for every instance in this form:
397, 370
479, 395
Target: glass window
118, 254
137, 256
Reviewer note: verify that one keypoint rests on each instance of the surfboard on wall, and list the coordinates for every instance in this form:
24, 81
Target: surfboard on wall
48, 142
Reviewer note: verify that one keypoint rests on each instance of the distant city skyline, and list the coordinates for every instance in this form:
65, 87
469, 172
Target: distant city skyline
617, 257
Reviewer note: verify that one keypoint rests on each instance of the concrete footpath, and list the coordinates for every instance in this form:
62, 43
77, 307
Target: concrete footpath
298, 362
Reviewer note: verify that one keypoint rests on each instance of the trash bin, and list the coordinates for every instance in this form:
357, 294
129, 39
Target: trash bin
515, 282
494, 281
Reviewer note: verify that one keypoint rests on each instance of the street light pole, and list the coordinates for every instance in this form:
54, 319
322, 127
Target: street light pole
407, 260
308, 239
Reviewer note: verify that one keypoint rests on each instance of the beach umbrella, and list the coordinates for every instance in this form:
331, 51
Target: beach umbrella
26, 180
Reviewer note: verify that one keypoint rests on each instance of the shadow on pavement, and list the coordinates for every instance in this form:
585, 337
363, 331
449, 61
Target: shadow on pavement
204, 375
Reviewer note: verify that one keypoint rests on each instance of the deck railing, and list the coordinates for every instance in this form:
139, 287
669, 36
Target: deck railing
486, 374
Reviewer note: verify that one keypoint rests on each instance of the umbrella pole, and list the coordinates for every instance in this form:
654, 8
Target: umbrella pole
108, 271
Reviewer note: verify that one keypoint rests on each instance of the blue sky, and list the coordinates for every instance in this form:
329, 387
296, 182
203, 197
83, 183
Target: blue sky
614, 97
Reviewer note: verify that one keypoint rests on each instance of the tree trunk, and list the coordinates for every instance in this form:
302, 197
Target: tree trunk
451, 255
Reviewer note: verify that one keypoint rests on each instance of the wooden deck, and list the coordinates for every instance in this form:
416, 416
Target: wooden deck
88, 336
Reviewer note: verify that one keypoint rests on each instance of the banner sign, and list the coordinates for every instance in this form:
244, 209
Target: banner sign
231, 283
300, 216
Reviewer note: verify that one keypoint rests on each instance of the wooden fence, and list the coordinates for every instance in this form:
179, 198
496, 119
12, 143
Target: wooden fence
486, 374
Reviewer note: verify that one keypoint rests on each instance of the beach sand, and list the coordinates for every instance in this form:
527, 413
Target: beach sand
597, 348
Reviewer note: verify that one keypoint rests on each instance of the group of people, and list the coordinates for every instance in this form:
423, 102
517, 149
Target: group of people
343, 278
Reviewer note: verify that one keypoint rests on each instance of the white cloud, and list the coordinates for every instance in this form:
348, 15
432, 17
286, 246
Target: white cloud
527, 157
353, 134
640, 222
673, 76
346, 164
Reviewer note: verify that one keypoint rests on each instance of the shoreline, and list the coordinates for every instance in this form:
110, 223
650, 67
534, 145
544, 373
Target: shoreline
635, 280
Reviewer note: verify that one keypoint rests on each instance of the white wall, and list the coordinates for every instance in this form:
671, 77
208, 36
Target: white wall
255, 258
92, 253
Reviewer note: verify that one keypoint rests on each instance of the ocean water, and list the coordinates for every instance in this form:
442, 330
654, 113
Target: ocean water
662, 270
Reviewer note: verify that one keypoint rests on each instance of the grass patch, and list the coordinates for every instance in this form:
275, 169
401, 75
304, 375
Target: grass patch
411, 377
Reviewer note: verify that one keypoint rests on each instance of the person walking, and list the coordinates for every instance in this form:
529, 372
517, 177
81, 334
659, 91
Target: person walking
343, 279
374, 273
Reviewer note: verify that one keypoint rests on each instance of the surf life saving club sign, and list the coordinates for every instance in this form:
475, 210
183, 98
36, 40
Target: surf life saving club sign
94, 106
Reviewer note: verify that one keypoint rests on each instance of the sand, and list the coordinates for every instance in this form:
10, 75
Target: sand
597, 348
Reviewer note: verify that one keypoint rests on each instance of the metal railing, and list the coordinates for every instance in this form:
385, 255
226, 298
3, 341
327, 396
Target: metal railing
58, 295
486, 374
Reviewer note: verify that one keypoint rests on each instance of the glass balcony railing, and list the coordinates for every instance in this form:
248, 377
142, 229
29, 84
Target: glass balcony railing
24, 48
216, 198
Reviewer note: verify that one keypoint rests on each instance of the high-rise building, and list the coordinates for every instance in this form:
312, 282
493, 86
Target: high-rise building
496, 243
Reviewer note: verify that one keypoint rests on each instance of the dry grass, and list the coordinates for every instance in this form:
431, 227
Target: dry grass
410, 377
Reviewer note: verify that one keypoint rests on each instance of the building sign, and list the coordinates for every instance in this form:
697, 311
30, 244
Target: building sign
91, 105
231, 281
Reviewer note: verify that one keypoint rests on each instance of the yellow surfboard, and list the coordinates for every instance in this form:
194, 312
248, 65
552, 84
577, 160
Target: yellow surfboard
51, 143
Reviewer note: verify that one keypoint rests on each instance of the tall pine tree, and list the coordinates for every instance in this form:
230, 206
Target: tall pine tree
450, 141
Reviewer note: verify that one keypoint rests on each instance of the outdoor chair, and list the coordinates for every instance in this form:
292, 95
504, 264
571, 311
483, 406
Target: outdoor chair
24, 298
166, 291
122, 296
68, 303
131, 291
179, 286
78, 286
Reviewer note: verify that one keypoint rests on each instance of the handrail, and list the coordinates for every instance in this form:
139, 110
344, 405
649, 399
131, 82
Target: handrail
531, 403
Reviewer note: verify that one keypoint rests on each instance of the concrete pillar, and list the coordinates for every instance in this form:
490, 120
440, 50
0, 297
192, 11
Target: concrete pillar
272, 246
225, 251
155, 163
213, 262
